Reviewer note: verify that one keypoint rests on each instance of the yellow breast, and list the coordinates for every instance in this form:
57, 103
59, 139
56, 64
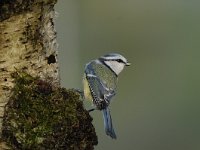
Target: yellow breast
86, 89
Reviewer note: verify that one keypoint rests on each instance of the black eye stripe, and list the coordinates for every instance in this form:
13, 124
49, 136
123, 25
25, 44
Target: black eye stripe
118, 60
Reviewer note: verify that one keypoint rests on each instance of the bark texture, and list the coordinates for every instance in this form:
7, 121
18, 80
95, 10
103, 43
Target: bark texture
27, 43
35, 112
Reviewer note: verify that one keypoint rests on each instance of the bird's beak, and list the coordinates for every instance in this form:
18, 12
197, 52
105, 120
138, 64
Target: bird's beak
128, 64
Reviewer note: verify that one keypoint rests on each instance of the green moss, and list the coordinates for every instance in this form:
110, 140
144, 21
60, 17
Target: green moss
41, 116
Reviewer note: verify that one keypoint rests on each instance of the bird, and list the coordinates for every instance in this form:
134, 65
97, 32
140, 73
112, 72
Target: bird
100, 83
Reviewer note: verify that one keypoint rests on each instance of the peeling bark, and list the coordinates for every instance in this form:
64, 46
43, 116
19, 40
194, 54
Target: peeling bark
27, 43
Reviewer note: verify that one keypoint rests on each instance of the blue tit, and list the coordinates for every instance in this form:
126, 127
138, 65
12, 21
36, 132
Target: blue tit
100, 82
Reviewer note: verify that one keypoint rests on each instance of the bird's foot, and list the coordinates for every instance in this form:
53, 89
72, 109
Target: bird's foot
90, 110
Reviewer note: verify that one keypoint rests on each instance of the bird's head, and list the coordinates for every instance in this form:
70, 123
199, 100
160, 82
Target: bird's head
115, 62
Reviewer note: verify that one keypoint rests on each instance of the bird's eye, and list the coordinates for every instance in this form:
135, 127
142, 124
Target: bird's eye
119, 60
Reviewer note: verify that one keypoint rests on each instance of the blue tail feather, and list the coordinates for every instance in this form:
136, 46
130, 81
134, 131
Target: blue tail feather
108, 123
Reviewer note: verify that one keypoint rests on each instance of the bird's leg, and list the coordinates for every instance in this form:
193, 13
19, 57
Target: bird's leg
92, 109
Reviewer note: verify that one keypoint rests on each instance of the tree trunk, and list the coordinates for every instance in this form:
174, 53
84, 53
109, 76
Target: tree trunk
28, 44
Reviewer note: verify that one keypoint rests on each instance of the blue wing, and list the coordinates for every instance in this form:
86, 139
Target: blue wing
101, 98
101, 94
101, 101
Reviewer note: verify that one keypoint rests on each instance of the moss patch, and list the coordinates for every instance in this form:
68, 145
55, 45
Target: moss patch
41, 116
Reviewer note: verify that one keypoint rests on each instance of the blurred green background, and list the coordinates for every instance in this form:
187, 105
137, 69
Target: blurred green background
158, 99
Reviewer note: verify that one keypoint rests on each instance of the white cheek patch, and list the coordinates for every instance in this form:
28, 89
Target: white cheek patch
115, 66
